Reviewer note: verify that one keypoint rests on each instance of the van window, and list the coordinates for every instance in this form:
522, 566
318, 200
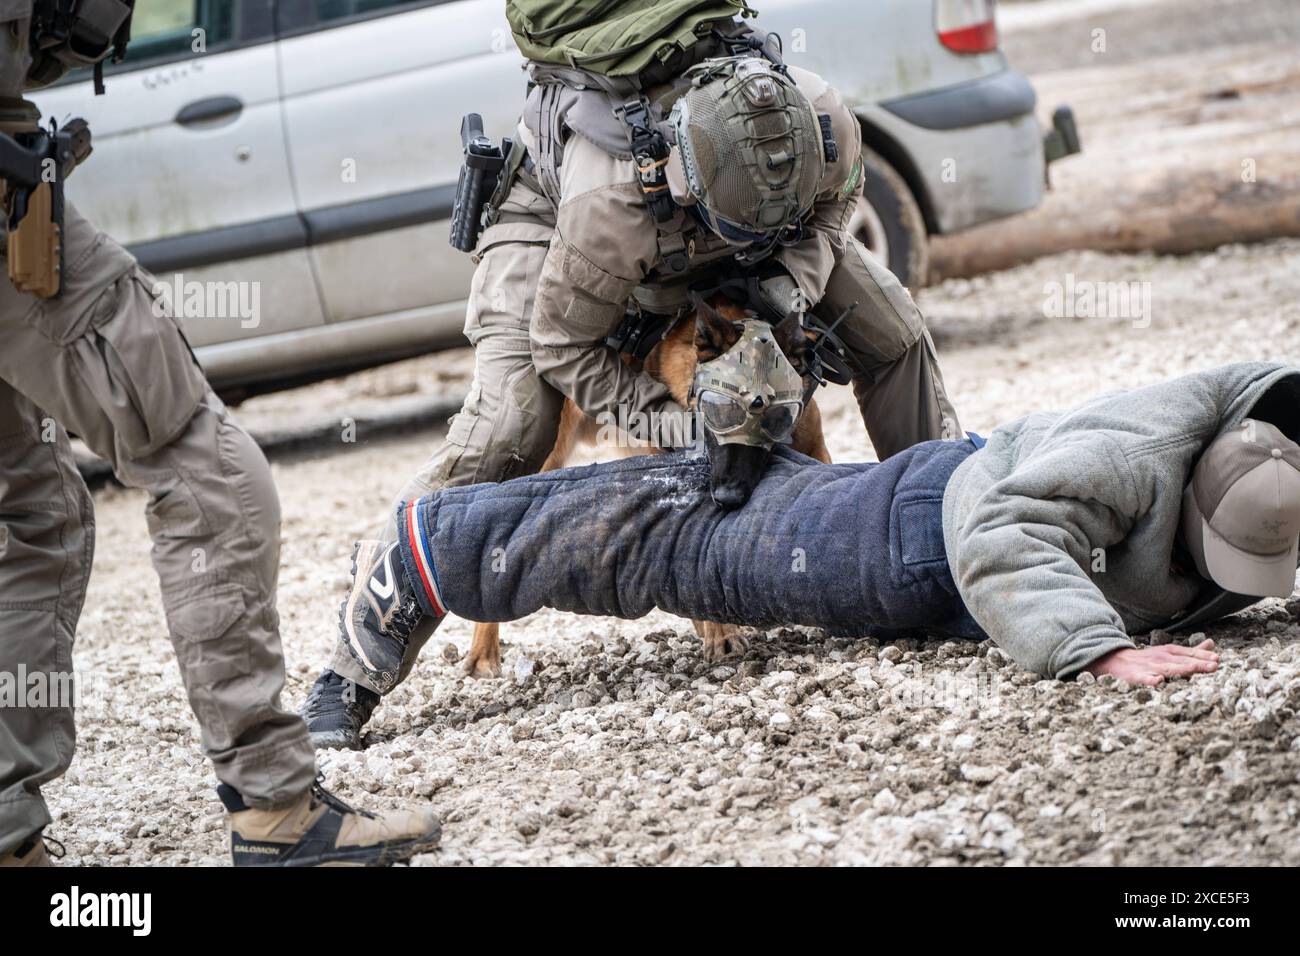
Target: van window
304, 16
176, 28
163, 31
338, 9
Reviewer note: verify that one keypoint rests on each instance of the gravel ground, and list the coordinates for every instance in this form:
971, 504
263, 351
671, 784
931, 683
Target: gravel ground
613, 742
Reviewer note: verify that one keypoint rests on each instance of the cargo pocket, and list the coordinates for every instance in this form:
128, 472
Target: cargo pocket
510, 259
175, 514
93, 267
462, 423
884, 322
590, 319
527, 233
206, 646
458, 436
137, 367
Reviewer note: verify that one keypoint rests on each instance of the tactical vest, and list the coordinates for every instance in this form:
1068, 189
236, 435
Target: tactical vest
615, 113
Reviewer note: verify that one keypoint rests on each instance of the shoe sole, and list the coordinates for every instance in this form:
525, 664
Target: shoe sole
384, 681
397, 852
369, 856
334, 740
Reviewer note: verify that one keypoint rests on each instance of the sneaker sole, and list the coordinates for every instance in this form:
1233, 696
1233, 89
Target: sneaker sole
334, 740
371, 856
383, 680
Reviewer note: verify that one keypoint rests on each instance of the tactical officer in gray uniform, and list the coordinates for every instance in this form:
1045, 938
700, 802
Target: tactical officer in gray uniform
618, 196
85, 348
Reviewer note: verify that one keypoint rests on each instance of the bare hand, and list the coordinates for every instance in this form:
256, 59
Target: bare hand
1151, 665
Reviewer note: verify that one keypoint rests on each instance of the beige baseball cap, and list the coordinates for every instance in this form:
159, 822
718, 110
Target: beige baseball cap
1241, 511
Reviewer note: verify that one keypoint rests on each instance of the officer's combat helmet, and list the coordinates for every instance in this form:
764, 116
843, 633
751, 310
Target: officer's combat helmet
750, 145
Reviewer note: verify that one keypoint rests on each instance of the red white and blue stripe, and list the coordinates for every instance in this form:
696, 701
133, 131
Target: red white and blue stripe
419, 547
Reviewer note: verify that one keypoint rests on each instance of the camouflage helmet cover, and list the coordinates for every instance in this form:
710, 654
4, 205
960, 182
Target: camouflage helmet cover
750, 144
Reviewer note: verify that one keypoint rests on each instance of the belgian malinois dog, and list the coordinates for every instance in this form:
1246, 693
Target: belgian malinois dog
734, 470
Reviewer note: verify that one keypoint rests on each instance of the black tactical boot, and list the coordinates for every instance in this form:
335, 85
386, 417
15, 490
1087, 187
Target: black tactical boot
380, 613
336, 711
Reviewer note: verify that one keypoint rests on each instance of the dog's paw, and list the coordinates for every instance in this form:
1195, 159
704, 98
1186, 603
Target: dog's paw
722, 641
483, 666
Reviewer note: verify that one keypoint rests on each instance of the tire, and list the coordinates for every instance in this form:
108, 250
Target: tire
889, 223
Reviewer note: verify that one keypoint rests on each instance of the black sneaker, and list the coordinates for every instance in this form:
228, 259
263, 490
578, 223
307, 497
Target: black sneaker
319, 829
336, 710
380, 613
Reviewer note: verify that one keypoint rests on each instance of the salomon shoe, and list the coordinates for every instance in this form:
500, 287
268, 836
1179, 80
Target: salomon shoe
319, 829
380, 613
32, 852
336, 710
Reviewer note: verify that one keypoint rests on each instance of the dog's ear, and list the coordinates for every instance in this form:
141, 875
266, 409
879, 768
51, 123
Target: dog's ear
714, 332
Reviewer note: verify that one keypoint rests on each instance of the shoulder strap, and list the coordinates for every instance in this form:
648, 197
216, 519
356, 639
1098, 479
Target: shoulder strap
650, 152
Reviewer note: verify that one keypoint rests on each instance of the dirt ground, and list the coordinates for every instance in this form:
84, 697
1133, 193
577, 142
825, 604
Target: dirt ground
613, 742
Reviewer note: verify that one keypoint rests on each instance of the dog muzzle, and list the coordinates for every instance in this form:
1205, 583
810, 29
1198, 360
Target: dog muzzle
751, 394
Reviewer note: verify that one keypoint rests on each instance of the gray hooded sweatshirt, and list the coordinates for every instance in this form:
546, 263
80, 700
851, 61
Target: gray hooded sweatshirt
1061, 531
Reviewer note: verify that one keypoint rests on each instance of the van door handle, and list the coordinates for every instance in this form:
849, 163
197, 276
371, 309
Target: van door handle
207, 110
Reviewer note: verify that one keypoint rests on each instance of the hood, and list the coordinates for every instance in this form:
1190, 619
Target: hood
1261, 390
1201, 404
1264, 391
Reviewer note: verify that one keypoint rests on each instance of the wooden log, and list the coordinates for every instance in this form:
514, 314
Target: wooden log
1181, 153
1197, 212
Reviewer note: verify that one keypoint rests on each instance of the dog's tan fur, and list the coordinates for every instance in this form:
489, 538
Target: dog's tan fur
673, 363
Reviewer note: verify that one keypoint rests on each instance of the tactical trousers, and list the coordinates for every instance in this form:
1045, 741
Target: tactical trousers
900, 391
508, 424
107, 362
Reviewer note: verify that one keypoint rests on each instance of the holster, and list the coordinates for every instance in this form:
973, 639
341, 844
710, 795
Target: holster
477, 184
34, 167
35, 250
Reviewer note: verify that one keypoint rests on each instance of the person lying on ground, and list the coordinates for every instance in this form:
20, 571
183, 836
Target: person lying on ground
1065, 535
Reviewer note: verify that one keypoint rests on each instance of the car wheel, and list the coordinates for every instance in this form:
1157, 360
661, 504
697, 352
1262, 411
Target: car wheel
889, 223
